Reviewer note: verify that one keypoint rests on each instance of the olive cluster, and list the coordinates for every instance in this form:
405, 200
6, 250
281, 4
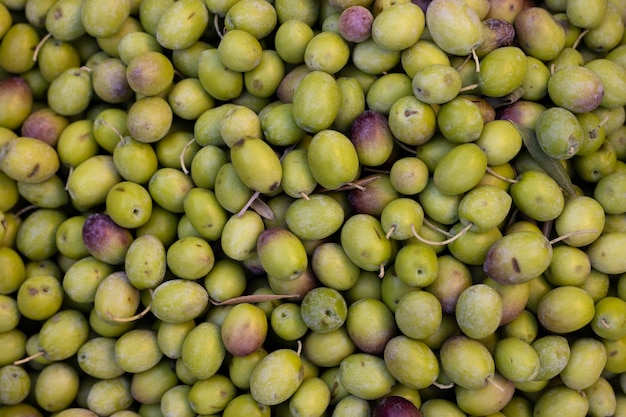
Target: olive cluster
312, 208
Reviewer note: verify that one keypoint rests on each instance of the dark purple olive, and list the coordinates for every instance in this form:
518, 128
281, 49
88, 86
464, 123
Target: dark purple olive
105, 240
396, 406
423, 4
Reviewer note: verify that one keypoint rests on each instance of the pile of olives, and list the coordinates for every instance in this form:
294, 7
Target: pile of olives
334, 208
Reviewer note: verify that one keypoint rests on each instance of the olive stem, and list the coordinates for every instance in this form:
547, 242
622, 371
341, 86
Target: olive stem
490, 171
128, 319
547, 226
513, 218
216, 24
25, 209
381, 270
579, 38
68, 177
570, 234
476, 60
443, 386
497, 102
376, 171
390, 231
444, 242
39, 45
114, 129
182, 155
435, 228
179, 74
253, 298
29, 358
405, 147
491, 380
603, 121
594, 132
246, 206
354, 185
460, 67
468, 87
359, 184
287, 150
